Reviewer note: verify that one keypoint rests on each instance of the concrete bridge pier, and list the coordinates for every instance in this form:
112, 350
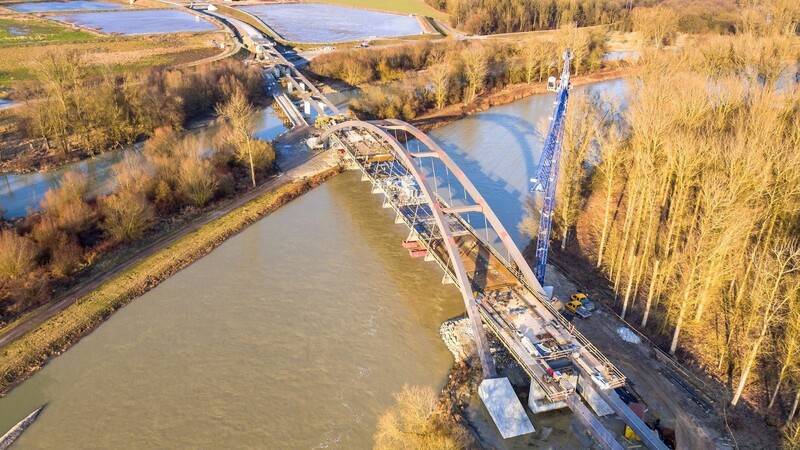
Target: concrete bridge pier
538, 402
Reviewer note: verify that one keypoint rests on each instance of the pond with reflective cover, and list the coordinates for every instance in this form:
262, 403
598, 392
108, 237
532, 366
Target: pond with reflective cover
78, 5
153, 21
316, 23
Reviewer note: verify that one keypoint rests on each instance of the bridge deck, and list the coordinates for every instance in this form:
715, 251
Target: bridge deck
543, 344
546, 346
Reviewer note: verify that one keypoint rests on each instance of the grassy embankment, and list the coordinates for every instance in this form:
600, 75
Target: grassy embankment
119, 54
25, 355
26, 30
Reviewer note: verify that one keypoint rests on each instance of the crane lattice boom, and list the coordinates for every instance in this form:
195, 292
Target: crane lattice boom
547, 175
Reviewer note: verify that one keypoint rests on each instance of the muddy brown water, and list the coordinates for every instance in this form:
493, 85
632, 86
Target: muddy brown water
292, 334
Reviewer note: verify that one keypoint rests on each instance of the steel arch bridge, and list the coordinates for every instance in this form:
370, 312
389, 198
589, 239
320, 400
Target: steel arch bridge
391, 132
501, 293
498, 290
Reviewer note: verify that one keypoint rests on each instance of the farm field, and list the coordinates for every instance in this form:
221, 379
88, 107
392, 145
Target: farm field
118, 54
27, 30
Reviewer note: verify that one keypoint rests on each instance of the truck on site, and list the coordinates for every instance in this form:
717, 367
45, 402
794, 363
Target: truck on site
581, 297
577, 308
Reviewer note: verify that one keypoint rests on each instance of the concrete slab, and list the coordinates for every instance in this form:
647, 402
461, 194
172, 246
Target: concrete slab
503, 405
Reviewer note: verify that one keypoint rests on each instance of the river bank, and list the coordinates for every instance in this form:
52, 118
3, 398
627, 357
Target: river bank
254, 329
509, 94
29, 156
30, 345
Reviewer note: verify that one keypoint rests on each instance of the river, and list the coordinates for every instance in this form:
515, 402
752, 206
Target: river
292, 334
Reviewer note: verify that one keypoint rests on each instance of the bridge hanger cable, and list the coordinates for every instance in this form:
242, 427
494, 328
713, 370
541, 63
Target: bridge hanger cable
449, 191
486, 226
435, 180
466, 202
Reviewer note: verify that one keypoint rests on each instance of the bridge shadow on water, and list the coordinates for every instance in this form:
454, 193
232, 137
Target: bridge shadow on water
499, 153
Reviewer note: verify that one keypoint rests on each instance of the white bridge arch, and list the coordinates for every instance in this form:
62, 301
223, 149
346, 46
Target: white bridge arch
386, 130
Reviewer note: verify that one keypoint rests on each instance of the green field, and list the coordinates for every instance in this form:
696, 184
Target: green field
33, 30
397, 6
119, 54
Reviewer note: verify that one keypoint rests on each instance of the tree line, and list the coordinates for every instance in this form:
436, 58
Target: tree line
762, 17
76, 109
404, 81
509, 16
720, 17
173, 176
687, 198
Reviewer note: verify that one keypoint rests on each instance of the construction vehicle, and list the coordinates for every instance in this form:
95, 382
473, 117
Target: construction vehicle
581, 297
667, 435
577, 308
323, 122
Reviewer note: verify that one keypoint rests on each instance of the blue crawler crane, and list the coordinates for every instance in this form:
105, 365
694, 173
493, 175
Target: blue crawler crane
547, 175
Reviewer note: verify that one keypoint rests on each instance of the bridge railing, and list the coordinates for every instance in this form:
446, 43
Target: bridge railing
615, 377
618, 378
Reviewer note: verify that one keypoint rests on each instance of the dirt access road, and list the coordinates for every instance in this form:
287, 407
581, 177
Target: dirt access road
694, 427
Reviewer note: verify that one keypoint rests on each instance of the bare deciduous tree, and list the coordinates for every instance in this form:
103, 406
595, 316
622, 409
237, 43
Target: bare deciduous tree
417, 421
475, 70
656, 25
17, 254
440, 78
240, 115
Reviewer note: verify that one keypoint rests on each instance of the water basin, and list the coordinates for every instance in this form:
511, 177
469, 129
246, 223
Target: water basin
317, 23
16, 31
139, 21
77, 5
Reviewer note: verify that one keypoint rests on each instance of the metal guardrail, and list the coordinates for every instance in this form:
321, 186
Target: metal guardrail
620, 377
553, 397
